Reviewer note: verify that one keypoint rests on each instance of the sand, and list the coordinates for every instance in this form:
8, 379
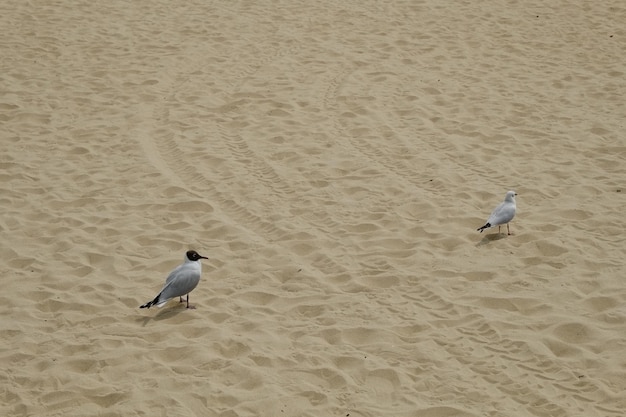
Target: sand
333, 159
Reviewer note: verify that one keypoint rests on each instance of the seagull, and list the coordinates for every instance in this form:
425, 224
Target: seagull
502, 214
182, 280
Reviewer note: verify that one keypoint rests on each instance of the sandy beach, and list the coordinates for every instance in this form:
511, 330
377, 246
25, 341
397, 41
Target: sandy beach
333, 160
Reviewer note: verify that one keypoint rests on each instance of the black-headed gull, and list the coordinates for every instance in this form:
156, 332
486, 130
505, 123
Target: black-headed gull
182, 280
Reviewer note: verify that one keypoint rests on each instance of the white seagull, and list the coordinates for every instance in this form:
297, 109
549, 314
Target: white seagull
182, 280
502, 214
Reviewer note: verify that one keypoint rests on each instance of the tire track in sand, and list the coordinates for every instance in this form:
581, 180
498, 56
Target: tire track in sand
174, 159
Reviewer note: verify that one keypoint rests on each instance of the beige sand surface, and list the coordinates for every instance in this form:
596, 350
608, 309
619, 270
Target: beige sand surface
334, 160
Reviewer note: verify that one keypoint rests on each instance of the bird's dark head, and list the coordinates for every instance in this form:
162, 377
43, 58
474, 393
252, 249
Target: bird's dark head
192, 255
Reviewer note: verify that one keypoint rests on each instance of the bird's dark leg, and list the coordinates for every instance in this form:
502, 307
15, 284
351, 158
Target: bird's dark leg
508, 230
181, 299
188, 306
498, 229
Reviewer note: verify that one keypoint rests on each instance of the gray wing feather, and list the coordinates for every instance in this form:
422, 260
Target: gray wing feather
180, 282
502, 214
174, 273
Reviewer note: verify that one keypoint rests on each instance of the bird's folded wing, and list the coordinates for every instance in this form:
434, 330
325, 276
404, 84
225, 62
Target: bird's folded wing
502, 214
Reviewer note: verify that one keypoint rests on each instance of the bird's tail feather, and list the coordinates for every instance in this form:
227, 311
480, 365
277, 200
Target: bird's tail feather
486, 226
151, 303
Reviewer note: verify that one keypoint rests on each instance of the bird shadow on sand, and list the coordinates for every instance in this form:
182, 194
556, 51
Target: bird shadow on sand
165, 314
491, 238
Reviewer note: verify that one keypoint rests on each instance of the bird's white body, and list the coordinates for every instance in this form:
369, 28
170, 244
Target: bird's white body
181, 281
502, 214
